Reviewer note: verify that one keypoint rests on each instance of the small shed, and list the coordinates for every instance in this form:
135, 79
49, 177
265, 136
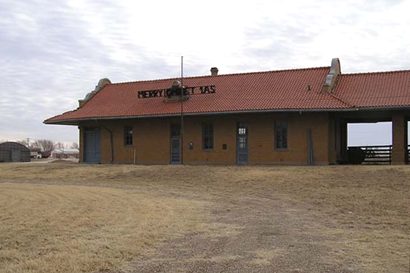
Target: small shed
14, 152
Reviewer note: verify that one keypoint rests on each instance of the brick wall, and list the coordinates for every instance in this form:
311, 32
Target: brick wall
151, 139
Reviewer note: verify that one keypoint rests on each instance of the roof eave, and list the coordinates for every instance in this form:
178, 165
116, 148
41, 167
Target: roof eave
353, 109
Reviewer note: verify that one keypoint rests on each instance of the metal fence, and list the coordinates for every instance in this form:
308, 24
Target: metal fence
379, 154
408, 154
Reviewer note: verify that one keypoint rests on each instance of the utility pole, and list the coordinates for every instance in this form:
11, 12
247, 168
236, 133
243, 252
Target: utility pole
182, 110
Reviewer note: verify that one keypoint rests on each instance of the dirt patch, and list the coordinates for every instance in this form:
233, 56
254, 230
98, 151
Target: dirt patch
253, 235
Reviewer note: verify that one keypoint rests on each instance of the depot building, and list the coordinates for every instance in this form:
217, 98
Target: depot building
296, 116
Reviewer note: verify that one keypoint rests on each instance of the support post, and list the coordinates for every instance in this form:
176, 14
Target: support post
399, 137
81, 144
341, 140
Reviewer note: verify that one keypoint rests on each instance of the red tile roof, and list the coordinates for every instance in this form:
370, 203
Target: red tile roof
375, 90
285, 90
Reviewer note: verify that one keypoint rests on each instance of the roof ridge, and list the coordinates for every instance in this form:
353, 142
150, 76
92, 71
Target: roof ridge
224, 75
376, 72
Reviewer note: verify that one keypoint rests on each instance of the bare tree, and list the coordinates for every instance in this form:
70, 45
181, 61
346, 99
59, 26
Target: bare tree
24, 142
74, 146
59, 146
45, 145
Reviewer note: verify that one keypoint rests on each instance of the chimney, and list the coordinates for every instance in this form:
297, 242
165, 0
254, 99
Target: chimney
214, 71
331, 78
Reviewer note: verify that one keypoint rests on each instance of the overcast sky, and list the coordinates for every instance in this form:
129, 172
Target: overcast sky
54, 52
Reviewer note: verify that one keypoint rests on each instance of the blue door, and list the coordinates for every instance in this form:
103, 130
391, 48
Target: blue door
92, 145
242, 144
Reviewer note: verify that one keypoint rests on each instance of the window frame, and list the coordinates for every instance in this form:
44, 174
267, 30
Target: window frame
128, 136
207, 136
281, 142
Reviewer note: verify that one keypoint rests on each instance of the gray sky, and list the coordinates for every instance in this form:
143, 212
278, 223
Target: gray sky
54, 52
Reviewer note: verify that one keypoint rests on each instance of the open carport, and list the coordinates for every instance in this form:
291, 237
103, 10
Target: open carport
396, 152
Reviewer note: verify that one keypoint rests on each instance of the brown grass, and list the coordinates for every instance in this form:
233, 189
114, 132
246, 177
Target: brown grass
63, 228
71, 218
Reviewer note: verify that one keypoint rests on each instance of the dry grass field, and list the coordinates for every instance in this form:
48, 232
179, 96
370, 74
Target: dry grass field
123, 218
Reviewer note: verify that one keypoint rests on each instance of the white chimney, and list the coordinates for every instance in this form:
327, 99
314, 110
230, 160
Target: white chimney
214, 71
331, 78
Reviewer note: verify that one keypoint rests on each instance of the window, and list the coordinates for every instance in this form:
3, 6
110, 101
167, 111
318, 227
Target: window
281, 135
207, 136
127, 135
175, 130
242, 131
